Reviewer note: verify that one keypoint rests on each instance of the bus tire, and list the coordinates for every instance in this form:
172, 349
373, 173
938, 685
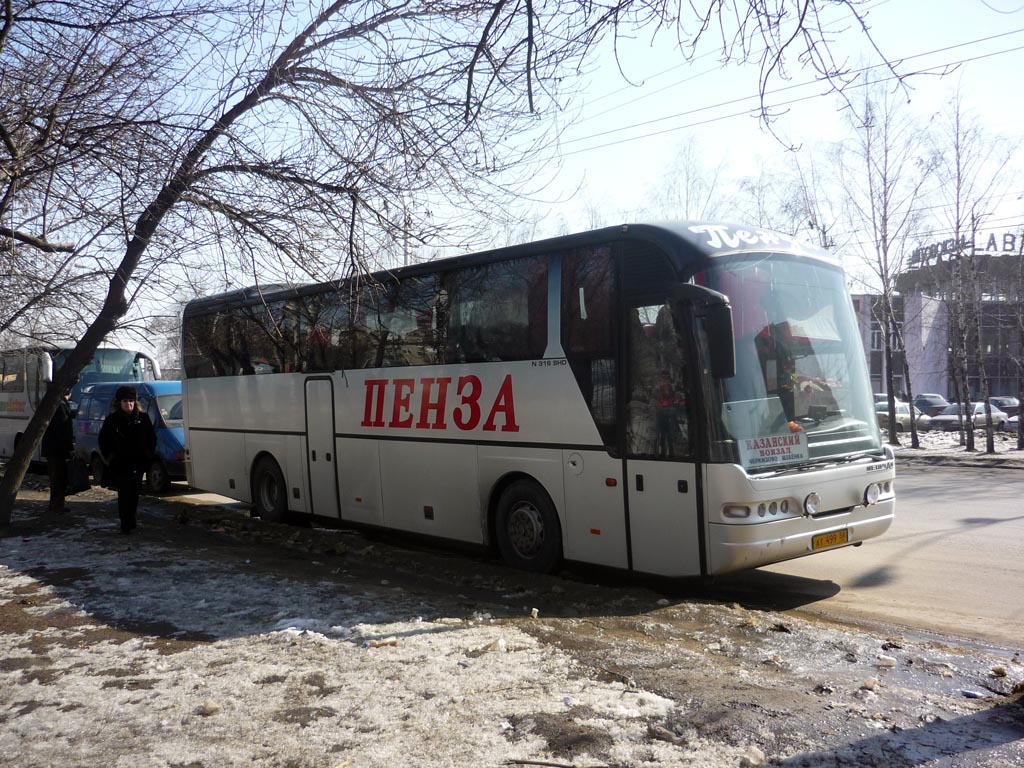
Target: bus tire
269, 493
97, 468
527, 531
156, 477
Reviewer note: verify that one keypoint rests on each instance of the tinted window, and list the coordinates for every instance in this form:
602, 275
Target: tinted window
498, 311
588, 331
98, 407
493, 312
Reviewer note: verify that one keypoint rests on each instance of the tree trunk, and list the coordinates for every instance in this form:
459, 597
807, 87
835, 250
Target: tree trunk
63, 379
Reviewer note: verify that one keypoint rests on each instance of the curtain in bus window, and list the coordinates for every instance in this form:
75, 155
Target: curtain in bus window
34, 380
14, 373
498, 311
658, 400
588, 331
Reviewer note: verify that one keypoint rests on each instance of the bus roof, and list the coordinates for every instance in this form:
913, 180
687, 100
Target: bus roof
689, 245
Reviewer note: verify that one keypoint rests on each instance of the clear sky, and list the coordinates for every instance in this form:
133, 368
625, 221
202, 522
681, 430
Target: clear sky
626, 135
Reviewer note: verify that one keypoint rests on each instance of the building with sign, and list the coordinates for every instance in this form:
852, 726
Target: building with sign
928, 296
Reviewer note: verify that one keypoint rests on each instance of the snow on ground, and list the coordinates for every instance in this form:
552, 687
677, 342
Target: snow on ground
173, 651
945, 448
252, 669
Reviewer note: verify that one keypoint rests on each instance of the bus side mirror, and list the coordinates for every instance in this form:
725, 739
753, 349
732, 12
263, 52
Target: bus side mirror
722, 352
714, 307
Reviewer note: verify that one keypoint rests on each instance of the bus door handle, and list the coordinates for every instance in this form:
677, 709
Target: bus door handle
640, 482
327, 458
314, 455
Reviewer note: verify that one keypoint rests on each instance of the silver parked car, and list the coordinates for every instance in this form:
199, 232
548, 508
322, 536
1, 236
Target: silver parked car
902, 417
949, 419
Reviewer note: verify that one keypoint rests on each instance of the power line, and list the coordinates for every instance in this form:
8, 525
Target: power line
690, 63
696, 110
863, 70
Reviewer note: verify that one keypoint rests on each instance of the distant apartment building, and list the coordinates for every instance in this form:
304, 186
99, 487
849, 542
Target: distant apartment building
922, 310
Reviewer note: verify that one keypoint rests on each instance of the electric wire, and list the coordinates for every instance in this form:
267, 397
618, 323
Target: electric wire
770, 107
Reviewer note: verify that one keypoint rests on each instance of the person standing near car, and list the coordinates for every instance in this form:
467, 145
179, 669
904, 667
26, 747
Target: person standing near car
128, 442
58, 445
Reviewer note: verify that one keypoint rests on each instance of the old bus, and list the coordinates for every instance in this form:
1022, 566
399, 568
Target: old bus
25, 373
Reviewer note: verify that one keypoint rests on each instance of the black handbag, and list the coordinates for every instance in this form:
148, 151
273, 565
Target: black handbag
78, 476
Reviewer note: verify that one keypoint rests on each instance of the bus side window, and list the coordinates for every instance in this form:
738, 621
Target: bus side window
588, 332
498, 311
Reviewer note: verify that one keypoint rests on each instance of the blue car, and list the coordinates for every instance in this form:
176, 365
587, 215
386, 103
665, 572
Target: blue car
162, 401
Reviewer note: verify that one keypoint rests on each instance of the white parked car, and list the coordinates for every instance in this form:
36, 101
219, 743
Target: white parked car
948, 419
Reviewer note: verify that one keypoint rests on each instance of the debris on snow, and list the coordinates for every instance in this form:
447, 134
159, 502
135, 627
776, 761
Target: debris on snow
752, 758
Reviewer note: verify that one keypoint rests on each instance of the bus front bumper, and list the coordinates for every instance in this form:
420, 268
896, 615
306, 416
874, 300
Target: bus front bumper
737, 547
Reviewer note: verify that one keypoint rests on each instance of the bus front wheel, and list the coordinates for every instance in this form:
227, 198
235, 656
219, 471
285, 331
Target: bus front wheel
527, 531
269, 494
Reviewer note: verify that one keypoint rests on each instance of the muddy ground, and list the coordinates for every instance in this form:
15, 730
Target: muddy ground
212, 639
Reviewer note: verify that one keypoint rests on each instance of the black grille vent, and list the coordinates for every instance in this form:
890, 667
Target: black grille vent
645, 271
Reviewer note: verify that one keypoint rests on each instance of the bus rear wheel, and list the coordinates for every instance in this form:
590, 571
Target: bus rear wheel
269, 494
527, 531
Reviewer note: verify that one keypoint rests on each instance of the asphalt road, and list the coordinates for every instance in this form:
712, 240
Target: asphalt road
951, 564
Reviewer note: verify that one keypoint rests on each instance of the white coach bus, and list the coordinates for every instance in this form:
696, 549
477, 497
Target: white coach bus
680, 399
25, 373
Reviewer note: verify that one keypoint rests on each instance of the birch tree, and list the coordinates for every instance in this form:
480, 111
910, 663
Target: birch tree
882, 173
969, 170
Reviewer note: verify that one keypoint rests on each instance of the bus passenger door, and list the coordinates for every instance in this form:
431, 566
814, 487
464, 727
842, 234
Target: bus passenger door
321, 453
661, 487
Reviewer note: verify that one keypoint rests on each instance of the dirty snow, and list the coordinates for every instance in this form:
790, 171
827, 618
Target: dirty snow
201, 646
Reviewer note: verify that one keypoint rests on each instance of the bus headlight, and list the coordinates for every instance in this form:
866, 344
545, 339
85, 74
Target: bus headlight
812, 504
871, 494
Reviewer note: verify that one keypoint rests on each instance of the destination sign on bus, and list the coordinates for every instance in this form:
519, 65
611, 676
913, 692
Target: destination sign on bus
773, 449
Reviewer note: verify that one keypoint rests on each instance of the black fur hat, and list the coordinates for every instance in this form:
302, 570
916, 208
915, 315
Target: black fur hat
125, 393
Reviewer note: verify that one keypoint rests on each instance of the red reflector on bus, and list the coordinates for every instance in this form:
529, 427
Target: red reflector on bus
596, 531
611, 482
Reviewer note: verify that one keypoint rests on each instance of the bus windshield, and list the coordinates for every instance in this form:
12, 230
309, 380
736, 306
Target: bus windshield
800, 392
109, 364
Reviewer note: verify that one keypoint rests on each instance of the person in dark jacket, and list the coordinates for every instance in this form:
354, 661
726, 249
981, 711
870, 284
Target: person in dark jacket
58, 445
128, 443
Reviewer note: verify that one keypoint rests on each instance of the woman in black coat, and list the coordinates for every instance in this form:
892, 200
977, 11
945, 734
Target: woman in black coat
127, 442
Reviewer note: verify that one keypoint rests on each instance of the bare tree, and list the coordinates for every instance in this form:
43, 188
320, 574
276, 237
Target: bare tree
198, 140
969, 168
689, 188
798, 200
882, 175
